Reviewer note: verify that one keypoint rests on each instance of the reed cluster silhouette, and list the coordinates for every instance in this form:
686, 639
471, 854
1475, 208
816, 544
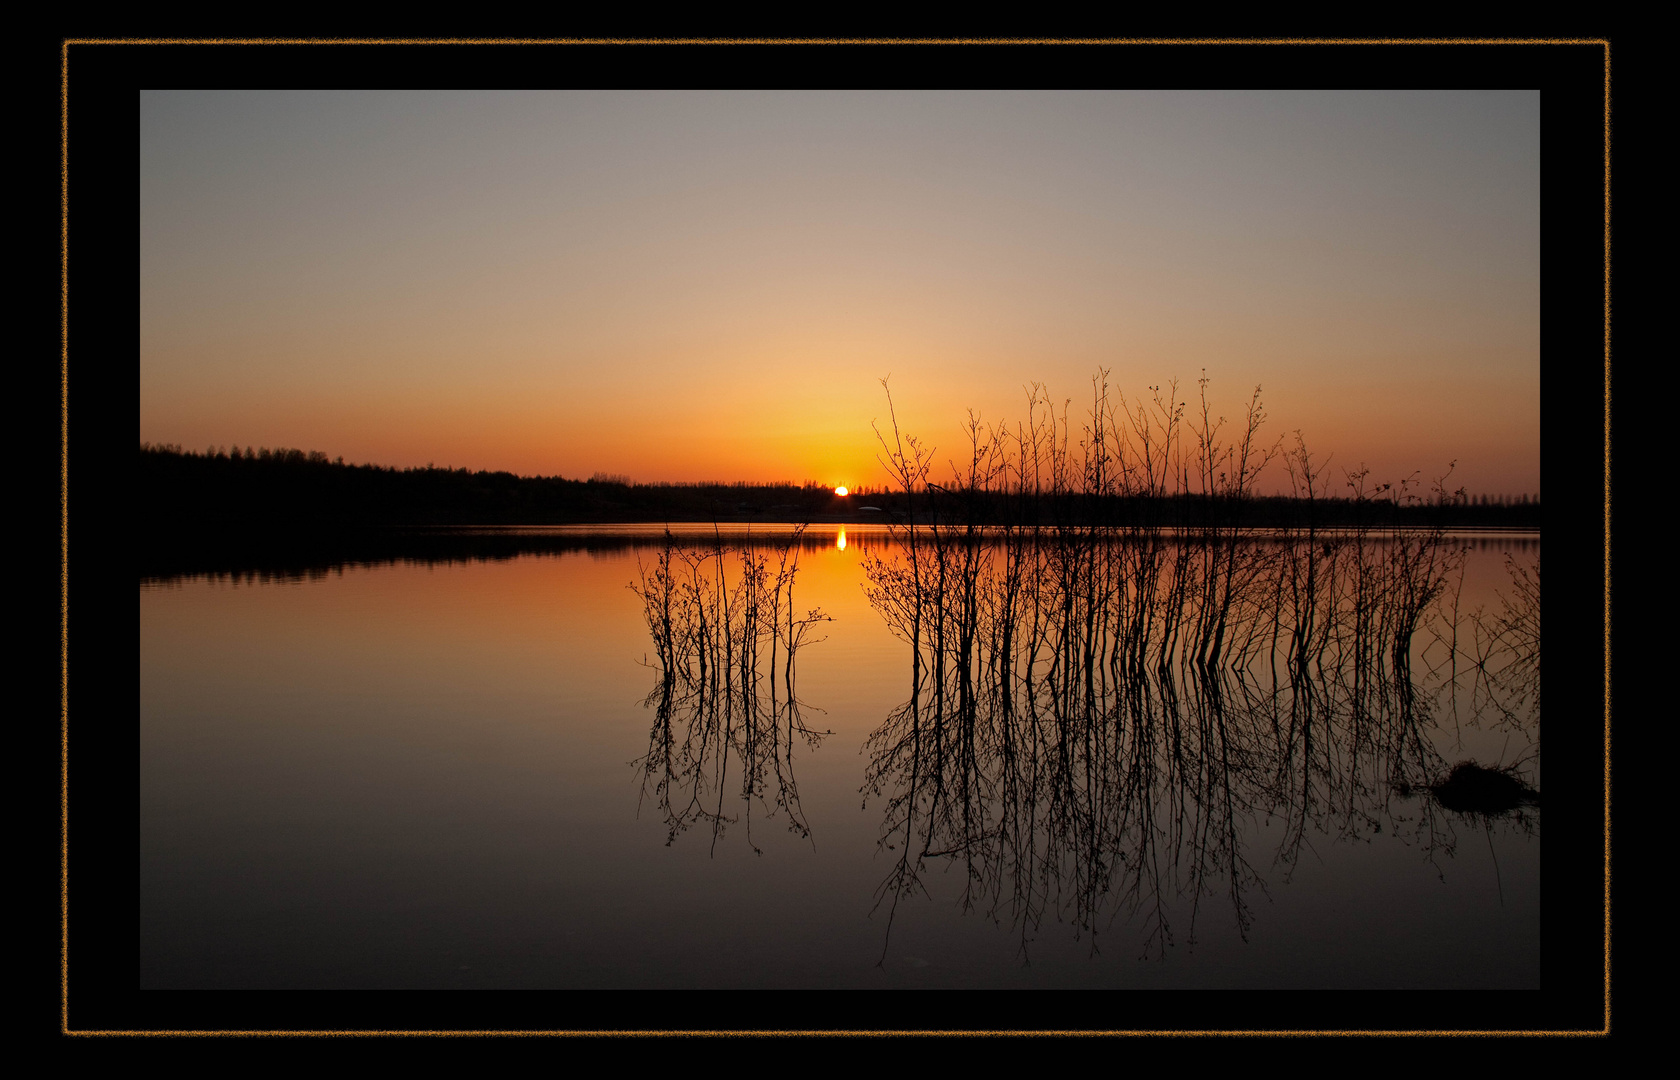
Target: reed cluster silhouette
1101, 712
1103, 706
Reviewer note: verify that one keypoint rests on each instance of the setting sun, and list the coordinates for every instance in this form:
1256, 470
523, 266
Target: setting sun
841, 490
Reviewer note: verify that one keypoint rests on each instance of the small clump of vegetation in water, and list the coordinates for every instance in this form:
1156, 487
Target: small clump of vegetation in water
1476, 789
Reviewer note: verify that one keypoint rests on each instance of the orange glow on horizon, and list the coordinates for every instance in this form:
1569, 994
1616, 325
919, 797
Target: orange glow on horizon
711, 287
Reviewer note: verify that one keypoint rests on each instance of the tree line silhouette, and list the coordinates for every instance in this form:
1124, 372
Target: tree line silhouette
297, 491
226, 494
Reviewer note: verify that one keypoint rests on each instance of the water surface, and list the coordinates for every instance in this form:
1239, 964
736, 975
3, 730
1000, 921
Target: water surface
464, 772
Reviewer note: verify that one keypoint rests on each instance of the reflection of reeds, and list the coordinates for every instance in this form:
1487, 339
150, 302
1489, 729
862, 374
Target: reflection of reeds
1102, 710
725, 653
1505, 648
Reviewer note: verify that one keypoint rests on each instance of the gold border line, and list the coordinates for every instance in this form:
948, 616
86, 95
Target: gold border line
857, 1033
840, 41
1607, 559
64, 532
64, 540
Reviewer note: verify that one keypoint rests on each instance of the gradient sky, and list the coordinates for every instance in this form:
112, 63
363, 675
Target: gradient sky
710, 285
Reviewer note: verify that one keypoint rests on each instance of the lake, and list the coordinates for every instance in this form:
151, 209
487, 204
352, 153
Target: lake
569, 758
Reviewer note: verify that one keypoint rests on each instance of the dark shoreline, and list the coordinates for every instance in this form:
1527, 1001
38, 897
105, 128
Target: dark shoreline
299, 556
290, 515
290, 491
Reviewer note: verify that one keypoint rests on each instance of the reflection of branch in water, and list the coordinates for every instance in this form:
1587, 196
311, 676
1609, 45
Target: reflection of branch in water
1505, 648
1111, 689
726, 696
1077, 752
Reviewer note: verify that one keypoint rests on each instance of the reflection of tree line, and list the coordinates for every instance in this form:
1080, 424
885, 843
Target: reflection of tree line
292, 557
1099, 715
725, 633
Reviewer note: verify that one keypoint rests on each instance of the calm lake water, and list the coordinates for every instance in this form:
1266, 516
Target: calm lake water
1125, 764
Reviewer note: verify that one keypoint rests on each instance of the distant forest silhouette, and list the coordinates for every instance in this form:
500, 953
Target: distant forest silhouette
293, 490
288, 491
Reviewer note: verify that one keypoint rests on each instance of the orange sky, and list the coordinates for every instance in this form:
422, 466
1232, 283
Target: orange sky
692, 286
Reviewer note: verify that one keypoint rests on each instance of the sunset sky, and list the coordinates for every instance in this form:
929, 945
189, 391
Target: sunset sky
710, 285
